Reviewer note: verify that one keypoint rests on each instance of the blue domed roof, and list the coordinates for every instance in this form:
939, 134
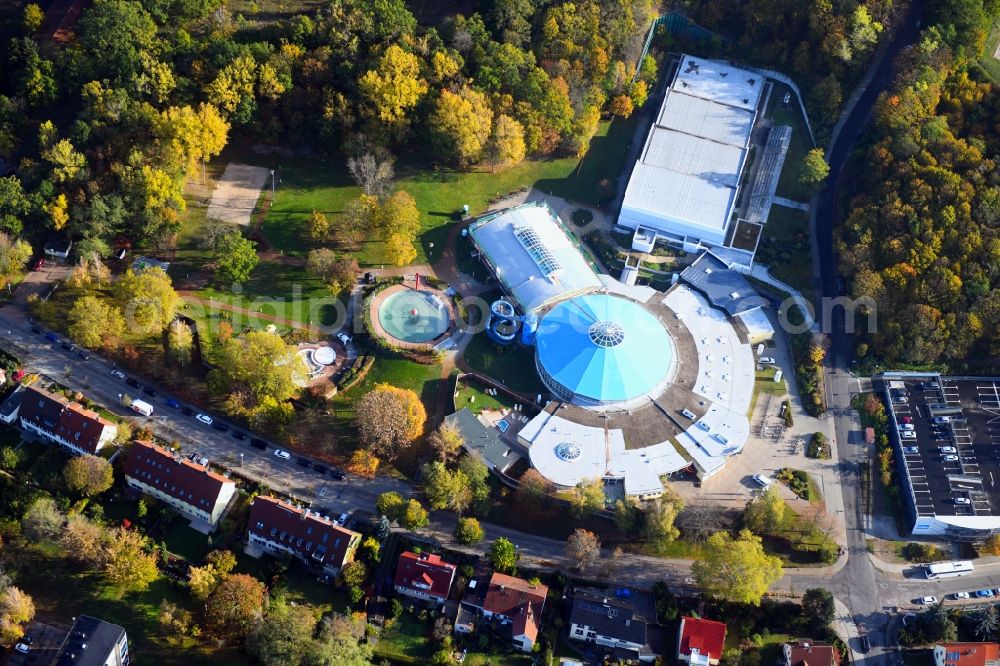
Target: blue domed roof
604, 348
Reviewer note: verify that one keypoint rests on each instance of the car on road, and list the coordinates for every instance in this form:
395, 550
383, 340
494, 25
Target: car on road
338, 475
928, 600
134, 384
205, 418
239, 435
221, 427
947, 449
344, 338
965, 501
118, 373
281, 453
950, 458
258, 444
319, 469
960, 595
302, 462
984, 593
187, 411
173, 403
22, 648
150, 391
866, 645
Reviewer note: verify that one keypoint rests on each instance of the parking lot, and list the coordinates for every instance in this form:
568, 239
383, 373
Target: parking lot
950, 435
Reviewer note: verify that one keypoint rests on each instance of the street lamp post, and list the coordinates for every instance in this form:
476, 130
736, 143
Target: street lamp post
241, 461
272, 184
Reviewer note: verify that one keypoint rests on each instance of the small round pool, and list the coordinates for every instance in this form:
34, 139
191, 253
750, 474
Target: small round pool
414, 316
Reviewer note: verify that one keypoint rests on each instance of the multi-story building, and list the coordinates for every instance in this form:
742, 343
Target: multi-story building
192, 489
68, 424
425, 576
280, 528
515, 602
615, 621
93, 642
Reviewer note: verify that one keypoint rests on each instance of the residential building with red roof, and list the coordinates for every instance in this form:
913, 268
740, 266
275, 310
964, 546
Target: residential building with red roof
56, 419
425, 576
192, 489
516, 603
807, 652
283, 529
967, 654
700, 642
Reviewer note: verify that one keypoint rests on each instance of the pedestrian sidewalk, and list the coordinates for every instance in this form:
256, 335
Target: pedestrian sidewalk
899, 569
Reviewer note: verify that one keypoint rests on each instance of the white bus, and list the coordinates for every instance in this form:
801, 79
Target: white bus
948, 570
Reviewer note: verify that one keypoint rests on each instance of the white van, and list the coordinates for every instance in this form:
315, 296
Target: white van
762, 481
142, 407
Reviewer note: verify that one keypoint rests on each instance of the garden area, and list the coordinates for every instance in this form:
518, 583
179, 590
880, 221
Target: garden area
512, 366
786, 249
789, 185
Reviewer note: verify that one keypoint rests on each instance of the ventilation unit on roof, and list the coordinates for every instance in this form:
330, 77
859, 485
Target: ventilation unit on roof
734, 294
746, 101
752, 81
708, 271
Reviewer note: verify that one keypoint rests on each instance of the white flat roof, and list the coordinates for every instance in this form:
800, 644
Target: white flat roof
533, 257
684, 153
718, 82
673, 196
702, 117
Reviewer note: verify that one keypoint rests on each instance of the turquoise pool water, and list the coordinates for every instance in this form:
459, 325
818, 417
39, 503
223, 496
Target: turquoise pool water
414, 316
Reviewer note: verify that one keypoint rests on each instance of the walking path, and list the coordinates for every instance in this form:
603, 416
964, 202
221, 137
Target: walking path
219, 305
788, 203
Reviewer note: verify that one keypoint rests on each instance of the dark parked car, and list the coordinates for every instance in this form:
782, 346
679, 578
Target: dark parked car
221, 427
35, 329
187, 411
83, 355
337, 474
52, 337
258, 444
131, 382
320, 469
150, 391
302, 462
173, 404
866, 645
239, 435
67, 346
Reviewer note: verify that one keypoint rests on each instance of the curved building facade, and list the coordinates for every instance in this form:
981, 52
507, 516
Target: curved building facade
603, 350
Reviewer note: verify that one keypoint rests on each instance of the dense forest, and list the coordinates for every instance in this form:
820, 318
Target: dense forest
99, 131
922, 233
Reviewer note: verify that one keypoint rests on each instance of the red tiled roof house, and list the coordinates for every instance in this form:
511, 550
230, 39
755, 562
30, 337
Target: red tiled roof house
515, 602
806, 652
425, 576
283, 529
68, 424
967, 654
700, 642
193, 490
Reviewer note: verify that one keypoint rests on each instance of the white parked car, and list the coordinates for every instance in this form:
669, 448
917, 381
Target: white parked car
963, 500
762, 481
281, 453
908, 434
22, 648
947, 449
950, 458
961, 595
766, 360
118, 373
344, 338
205, 418
928, 601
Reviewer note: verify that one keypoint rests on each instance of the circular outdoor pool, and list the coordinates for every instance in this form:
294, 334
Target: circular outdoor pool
414, 316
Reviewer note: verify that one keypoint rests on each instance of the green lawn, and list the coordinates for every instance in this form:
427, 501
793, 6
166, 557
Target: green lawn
406, 640
786, 248
513, 366
324, 185
209, 319
395, 370
765, 383
796, 542
281, 290
186, 542
472, 396
789, 185
990, 63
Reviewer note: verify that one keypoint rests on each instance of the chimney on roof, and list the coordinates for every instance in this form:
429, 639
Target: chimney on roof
304, 514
